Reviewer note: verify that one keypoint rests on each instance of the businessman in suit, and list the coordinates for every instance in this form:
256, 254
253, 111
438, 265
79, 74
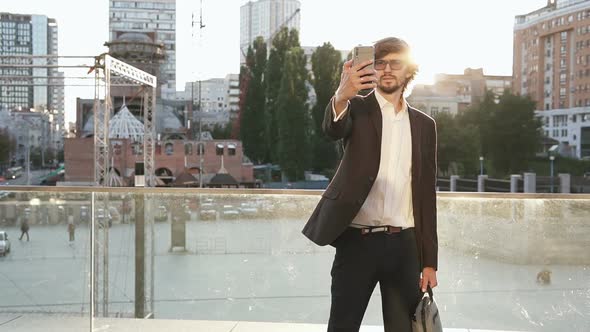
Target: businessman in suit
379, 210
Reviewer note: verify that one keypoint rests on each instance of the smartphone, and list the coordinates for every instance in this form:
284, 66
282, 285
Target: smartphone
363, 53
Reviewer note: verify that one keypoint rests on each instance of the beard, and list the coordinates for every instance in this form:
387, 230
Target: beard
392, 88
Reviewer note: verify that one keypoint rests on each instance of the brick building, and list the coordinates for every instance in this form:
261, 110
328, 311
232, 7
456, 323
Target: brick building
552, 66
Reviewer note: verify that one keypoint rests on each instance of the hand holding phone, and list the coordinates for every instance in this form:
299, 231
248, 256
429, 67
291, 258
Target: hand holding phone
358, 74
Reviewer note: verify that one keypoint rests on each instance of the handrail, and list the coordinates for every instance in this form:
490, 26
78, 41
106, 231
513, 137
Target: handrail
295, 192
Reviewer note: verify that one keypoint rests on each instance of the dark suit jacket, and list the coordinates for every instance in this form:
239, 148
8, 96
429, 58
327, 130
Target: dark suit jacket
360, 129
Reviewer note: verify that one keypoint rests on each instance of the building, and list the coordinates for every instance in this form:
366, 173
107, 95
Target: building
41, 88
570, 128
455, 93
173, 156
265, 18
153, 18
32, 133
551, 59
214, 101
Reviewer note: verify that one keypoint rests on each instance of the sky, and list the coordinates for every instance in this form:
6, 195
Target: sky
446, 36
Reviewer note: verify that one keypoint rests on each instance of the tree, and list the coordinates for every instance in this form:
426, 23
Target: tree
252, 124
293, 116
7, 145
326, 67
508, 133
222, 132
281, 43
515, 133
458, 145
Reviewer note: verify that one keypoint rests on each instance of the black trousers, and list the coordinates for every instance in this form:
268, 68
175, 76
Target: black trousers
363, 260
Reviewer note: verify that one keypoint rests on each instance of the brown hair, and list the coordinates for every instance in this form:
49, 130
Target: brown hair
389, 45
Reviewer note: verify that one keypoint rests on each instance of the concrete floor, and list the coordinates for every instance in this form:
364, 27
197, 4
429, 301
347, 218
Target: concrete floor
258, 271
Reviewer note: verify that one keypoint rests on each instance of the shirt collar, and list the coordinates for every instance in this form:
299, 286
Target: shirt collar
382, 102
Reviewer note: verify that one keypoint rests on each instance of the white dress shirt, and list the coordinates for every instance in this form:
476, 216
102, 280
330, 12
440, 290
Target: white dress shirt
390, 199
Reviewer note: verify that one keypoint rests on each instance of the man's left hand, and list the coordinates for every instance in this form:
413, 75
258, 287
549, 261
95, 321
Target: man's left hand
428, 278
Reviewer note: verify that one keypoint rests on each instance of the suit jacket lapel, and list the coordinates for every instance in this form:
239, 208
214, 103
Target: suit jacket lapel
375, 114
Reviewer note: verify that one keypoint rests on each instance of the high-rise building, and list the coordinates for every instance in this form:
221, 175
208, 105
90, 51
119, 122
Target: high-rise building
265, 18
216, 98
551, 65
151, 18
39, 88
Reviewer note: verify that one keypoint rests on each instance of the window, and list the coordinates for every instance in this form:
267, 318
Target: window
433, 111
169, 149
188, 149
200, 149
219, 149
231, 149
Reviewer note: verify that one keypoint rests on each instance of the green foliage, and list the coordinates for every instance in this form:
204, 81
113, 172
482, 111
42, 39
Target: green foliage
506, 134
252, 126
281, 43
222, 132
326, 68
293, 116
7, 146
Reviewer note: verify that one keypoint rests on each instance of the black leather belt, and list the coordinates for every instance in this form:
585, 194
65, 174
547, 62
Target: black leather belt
377, 229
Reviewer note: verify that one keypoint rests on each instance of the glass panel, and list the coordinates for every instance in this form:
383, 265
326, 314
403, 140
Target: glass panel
506, 262
45, 264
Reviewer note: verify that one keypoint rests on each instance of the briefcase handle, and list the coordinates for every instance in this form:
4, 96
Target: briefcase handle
429, 291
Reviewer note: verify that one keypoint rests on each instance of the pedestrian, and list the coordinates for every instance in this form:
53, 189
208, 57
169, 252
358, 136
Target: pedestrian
379, 210
24, 228
71, 227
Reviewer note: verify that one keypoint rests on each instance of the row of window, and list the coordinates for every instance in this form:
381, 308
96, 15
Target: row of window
143, 15
583, 30
220, 149
142, 5
580, 103
142, 25
556, 133
434, 110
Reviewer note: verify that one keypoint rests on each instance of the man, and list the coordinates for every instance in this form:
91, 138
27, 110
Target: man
379, 211
24, 228
71, 228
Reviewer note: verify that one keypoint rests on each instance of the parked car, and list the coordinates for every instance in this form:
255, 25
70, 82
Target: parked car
248, 210
161, 213
229, 212
207, 211
4, 244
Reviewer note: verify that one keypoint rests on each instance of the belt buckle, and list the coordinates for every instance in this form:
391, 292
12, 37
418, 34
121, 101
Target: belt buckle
391, 230
365, 231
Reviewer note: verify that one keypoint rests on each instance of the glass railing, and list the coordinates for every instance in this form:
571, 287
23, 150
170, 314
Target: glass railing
507, 261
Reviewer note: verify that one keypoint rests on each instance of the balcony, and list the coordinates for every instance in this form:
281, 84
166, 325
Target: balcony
235, 260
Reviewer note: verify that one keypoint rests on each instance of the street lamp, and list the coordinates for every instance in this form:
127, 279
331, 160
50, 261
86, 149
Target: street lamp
481, 165
551, 158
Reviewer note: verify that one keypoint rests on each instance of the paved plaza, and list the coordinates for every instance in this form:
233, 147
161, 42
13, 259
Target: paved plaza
263, 271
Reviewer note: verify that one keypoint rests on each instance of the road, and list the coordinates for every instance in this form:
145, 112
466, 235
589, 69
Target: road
35, 178
261, 270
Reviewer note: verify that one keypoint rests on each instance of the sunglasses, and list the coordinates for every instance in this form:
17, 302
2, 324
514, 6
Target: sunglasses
393, 64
